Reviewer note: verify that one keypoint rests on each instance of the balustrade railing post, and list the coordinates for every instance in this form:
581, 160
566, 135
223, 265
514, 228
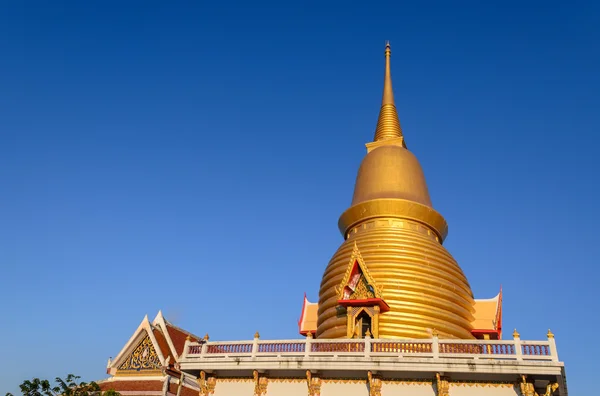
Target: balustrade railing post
368, 345
435, 344
255, 344
517, 344
186, 347
552, 344
308, 344
204, 346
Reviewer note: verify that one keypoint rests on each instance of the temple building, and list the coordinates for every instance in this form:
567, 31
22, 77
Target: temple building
147, 364
395, 315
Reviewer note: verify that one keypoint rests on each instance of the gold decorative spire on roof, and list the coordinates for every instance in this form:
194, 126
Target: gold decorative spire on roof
388, 125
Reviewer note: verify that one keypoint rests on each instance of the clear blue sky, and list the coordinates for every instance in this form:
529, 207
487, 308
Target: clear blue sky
195, 157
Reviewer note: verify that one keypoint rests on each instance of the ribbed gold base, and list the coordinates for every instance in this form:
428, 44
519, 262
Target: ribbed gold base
423, 285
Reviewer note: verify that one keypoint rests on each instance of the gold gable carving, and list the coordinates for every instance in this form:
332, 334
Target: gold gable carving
528, 389
260, 384
374, 384
442, 386
360, 280
314, 384
207, 385
143, 358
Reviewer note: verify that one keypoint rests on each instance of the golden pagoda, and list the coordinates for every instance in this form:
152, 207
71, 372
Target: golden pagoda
390, 282
391, 277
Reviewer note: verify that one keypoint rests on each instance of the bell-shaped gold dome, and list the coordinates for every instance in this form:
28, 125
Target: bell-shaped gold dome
419, 280
391, 171
392, 277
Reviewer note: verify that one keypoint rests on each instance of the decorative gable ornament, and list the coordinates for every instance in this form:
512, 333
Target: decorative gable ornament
361, 298
206, 384
143, 358
358, 288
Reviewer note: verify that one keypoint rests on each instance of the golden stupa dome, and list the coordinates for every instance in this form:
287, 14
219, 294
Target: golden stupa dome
392, 278
391, 171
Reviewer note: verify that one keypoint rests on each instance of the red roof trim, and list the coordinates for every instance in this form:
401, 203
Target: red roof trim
369, 302
129, 386
491, 333
302, 314
499, 315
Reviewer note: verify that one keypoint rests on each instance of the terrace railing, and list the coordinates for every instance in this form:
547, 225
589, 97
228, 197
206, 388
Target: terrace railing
433, 348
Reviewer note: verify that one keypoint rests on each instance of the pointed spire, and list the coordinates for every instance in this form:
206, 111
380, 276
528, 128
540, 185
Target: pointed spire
388, 92
388, 125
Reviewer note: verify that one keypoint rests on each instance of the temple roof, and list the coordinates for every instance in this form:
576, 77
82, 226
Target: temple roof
308, 319
148, 361
167, 339
488, 317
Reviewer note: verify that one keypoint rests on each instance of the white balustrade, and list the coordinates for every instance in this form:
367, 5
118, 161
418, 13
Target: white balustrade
433, 348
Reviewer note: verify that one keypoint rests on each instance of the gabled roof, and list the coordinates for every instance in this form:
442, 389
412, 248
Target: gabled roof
145, 329
144, 386
135, 386
308, 319
174, 336
356, 264
167, 339
488, 317
164, 339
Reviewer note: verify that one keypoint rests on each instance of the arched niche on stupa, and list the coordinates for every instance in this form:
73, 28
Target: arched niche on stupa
361, 297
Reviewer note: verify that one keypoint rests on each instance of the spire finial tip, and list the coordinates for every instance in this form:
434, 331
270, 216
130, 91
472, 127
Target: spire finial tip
388, 125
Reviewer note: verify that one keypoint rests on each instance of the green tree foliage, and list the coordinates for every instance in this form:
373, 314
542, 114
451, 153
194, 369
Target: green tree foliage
62, 387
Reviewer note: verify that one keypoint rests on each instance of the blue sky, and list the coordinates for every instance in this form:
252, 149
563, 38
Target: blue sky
195, 157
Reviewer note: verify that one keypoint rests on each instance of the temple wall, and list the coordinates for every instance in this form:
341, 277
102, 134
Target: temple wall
485, 389
331, 388
237, 387
390, 388
234, 388
287, 388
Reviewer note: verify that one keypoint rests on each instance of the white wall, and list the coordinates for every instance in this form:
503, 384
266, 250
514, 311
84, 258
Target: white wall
391, 388
278, 387
226, 387
485, 389
342, 388
287, 388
